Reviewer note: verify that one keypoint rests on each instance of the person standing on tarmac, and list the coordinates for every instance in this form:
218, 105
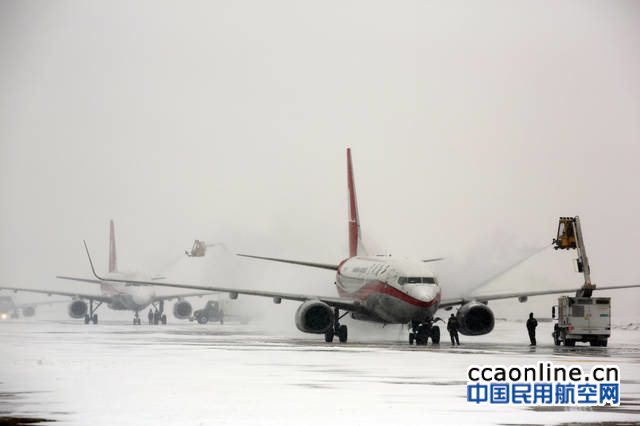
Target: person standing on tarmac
532, 323
452, 328
150, 316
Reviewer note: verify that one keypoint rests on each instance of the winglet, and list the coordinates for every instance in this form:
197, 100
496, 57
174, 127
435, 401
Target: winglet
91, 262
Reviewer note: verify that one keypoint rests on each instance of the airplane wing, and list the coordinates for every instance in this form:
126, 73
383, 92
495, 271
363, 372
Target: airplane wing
336, 302
59, 293
181, 295
487, 297
157, 298
295, 262
29, 305
83, 280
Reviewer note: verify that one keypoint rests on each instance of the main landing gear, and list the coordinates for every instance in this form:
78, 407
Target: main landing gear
422, 331
337, 330
91, 316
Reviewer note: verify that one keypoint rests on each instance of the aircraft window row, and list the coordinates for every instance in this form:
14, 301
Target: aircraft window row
360, 270
416, 280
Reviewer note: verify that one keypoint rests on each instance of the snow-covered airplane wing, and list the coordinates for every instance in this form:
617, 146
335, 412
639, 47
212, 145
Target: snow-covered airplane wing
336, 302
181, 295
30, 305
82, 280
444, 303
59, 293
330, 266
153, 280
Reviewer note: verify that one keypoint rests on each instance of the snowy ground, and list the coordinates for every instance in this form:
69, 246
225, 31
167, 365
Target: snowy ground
237, 374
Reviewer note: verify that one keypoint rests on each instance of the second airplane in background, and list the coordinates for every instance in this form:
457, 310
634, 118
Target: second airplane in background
118, 294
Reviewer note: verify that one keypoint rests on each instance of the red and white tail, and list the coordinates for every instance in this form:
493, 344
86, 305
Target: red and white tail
113, 263
355, 236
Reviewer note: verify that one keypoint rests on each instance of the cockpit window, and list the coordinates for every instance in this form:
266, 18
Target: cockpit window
416, 280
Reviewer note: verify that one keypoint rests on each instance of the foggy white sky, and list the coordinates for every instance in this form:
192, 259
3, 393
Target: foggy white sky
473, 127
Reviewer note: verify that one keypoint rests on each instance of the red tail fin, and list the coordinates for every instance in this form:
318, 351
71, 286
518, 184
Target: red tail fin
113, 264
355, 236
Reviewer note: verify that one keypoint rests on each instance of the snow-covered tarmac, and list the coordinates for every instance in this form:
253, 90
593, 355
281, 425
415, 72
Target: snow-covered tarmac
237, 374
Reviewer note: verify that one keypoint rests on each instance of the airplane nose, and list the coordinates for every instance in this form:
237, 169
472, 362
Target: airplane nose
424, 293
142, 295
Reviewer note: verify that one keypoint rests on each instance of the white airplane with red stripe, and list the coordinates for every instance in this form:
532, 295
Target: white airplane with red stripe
379, 289
118, 294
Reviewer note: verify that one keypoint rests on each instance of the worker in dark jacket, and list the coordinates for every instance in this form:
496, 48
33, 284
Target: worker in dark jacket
150, 316
532, 323
452, 328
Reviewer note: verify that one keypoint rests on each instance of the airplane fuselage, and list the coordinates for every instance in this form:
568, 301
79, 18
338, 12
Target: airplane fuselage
127, 297
395, 291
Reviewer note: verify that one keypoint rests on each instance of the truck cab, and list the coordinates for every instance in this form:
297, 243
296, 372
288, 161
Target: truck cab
582, 319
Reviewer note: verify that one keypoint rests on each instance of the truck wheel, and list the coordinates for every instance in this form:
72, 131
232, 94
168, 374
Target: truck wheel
603, 343
569, 342
203, 319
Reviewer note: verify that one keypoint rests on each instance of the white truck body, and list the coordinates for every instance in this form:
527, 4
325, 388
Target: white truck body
583, 319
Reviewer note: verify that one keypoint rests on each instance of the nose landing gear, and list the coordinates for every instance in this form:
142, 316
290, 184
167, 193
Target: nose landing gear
422, 331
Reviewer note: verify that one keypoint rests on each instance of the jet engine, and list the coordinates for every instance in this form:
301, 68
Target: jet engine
28, 311
182, 309
475, 319
77, 309
314, 316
